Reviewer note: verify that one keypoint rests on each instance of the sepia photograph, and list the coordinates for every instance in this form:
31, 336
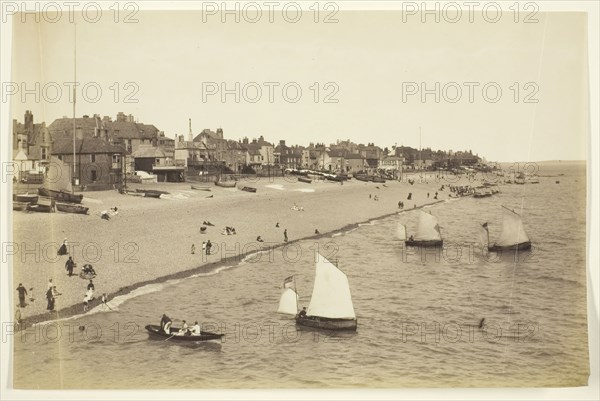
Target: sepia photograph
287, 197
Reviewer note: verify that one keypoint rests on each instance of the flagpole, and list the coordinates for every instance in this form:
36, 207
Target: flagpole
74, 101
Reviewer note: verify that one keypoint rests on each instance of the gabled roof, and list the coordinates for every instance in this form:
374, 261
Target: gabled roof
63, 144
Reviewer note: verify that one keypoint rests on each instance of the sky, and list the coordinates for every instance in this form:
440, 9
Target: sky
361, 78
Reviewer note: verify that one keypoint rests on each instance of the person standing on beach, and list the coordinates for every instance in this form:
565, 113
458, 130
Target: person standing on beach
69, 265
285, 237
63, 248
208, 246
50, 298
22, 292
193, 249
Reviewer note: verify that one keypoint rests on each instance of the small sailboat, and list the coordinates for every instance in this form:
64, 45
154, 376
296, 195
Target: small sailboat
288, 303
59, 185
331, 303
401, 232
428, 232
513, 235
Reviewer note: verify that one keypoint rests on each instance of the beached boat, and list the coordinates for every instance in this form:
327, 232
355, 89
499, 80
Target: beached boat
20, 206
330, 305
512, 237
39, 208
63, 196
151, 191
520, 179
377, 179
482, 193
304, 179
68, 208
25, 198
248, 189
201, 187
428, 232
361, 177
226, 184
334, 178
157, 332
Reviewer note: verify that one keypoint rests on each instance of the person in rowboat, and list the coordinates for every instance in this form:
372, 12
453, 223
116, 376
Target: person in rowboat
195, 330
302, 313
184, 329
163, 322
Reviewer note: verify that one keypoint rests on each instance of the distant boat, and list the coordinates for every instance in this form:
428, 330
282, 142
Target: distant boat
428, 232
201, 187
331, 303
67, 208
25, 198
513, 235
158, 332
248, 189
304, 179
60, 195
288, 303
520, 179
226, 184
481, 192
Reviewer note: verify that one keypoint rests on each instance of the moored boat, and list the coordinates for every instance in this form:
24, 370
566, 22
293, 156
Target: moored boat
304, 179
377, 179
512, 237
248, 189
68, 208
157, 332
330, 305
361, 177
428, 232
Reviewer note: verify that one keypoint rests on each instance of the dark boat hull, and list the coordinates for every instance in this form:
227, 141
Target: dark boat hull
200, 188
60, 195
378, 180
20, 206
248, 189
362, 178
65, 208
424, 244
523, 246
151, 195
39, 208
327, 323
306, 180
157, 332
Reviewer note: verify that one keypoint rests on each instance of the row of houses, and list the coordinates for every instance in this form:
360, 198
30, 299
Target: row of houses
106, 151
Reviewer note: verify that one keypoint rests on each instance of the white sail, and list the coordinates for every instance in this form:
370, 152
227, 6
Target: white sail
401, 232
513, 232
428, 228
331, 293
483, 240
288, 302
58, 176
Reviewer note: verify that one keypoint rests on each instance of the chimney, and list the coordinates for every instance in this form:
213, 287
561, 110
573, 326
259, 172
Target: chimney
282, 142
245, 140
190, 136
28, 120
121, 117
86, 116
130, 119
220, 133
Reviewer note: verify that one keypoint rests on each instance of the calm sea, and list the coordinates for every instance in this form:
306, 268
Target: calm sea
418, 314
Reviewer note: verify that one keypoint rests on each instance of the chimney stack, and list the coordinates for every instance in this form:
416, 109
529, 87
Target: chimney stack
190, 136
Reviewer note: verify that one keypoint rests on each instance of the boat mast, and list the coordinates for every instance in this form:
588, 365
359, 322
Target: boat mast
74, 102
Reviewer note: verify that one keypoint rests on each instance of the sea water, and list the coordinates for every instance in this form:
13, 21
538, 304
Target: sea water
419, 312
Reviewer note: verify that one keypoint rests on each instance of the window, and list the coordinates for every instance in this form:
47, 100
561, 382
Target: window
44, 153
60, 157
93, 158
116, 158
94, 175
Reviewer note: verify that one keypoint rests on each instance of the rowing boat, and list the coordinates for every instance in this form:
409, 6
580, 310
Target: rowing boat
157, 332
201, 187
67, 208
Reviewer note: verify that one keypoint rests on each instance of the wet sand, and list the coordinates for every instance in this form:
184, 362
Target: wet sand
150, 240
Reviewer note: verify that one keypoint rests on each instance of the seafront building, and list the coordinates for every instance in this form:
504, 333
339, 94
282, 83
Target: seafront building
110, 152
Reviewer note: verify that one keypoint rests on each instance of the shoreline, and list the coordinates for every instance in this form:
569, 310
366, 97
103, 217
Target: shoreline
75, 309
150, 240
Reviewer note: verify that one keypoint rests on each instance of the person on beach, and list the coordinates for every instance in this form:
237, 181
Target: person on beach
259, 239
203, 246
86, 300
50, 285
285, 237
104, 215
208, 246
22, 292
63, 248
427, 195
277, 225
52, 206
409, 196
18, 319
316, 231
69, 265
193, 249
50, 298
104, 299
91, 286
88, 269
